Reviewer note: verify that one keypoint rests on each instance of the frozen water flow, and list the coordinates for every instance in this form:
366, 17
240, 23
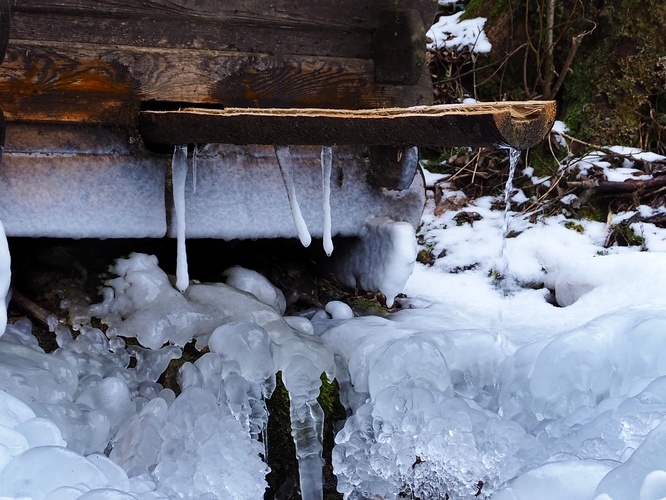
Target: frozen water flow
286, 169
514, 158
179, 175
5, 278
326, 161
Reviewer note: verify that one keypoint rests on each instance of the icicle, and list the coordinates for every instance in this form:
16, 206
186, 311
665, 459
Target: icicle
5, 278
307, 428
326, 160
178, 176
195, 160
284, 161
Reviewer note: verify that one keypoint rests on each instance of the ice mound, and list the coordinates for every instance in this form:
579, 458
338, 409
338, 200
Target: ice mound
411, 432
32, 449
96, 408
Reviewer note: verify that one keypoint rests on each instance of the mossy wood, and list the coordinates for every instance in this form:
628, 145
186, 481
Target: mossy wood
516, 124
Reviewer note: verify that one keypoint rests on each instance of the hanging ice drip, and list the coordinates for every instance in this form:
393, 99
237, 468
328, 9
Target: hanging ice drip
178, 177
286, 169
326, 162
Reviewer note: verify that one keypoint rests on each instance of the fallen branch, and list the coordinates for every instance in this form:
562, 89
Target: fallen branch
629, 186
43, 316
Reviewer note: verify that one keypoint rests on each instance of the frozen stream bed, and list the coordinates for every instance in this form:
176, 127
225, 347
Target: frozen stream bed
550, 385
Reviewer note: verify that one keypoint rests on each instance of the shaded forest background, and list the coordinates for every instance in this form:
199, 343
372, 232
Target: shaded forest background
604, 61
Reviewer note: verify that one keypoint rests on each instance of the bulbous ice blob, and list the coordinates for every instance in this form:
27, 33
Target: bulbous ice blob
25, 475
339, 310
65, 493
412, 361
107, 494
572, 479
41, 432
625, 481
116, 477
247, 344
256, 284
13, 441
300, 324
113, 397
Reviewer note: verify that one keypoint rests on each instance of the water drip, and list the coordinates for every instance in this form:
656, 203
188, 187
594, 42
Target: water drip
326, 161
286, 169
506, 284
178, 176
514, 158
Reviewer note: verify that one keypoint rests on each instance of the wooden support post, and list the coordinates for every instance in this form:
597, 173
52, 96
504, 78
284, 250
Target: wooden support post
4, 28
397, 47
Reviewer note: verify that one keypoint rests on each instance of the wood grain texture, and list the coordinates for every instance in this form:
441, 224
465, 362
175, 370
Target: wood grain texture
89, 83
196, 34
100, 61
473, 125
4, 27
339, 14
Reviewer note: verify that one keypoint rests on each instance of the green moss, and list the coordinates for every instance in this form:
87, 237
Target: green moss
593, 213
618, 80
281, 450
624, 235
366, 307
574, 227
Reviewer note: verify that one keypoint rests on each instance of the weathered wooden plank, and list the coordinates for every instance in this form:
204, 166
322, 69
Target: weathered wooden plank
4, 28
323, 13
88, 83
516, 124
196, 33
398, 46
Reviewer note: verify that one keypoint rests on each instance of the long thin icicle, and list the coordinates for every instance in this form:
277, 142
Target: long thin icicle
284, 161
326, 161
178, 176
195, 161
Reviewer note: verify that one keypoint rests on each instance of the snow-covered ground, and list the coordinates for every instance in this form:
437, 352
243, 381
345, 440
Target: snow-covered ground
549, 383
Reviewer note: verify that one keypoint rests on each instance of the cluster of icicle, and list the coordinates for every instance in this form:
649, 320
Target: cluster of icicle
180, 167
241, 322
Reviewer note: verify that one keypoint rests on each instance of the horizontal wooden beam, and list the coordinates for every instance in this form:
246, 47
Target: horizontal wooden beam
340, 14
67, 82
503, 124
198, 34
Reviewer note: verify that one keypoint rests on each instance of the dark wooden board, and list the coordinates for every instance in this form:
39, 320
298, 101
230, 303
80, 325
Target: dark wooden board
339, 14
196, 34
517, 124
100, 61
93, 84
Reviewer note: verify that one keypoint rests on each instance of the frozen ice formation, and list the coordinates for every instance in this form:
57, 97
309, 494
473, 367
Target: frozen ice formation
286, 169
179, 175
382, 258
5, 278
249, 342
410, 431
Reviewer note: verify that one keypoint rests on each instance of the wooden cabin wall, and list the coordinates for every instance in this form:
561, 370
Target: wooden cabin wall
101, 61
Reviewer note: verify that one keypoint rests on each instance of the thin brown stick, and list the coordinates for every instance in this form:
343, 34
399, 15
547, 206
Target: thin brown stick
31, 308
628, 186
575, 43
